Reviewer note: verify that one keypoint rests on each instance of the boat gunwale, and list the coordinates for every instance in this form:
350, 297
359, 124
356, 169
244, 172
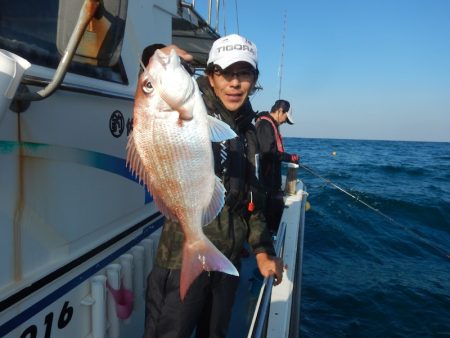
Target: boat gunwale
66, 268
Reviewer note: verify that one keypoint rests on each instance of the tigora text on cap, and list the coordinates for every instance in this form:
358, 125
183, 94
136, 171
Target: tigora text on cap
236, 46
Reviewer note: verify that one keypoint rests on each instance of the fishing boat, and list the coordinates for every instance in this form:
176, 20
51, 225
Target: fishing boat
78, 233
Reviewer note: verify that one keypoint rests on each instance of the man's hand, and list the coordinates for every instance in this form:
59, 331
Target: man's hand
270, 266
295, 158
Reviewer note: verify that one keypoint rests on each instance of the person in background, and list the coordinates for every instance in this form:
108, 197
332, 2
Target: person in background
272, 154
231, 74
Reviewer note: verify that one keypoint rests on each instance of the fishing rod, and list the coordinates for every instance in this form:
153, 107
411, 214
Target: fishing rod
280, 70
390, 219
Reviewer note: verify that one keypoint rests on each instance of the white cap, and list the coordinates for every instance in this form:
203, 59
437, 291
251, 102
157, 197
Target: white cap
290, 118
231, 49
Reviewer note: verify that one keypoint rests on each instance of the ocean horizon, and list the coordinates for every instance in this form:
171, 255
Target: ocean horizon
361, 139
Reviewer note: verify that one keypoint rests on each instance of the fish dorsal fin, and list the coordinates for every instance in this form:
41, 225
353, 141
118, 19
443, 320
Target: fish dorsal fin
168, 60
134, 163
216, 204
173, 59
219, 130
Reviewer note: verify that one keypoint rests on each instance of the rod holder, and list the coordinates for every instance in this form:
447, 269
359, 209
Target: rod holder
138, 271
98, 303
149, 255
290, 187
113, 273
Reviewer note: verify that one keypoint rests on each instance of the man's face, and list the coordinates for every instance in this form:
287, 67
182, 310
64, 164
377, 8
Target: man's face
280, 116
283, 116
233, 84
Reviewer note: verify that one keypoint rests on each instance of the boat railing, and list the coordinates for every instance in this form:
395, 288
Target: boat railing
259, 322
277, 311
193, 30
192, 5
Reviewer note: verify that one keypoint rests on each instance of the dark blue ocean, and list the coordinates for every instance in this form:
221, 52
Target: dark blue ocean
364, 274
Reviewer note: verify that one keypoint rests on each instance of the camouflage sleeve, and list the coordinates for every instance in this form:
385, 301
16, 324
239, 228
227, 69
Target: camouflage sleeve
258, 235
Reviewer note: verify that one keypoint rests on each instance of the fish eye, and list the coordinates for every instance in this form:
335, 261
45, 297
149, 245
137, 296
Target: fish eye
147, 87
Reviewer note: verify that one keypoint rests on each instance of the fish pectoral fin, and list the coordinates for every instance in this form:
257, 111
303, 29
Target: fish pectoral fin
219, 130
200, 256
216, 203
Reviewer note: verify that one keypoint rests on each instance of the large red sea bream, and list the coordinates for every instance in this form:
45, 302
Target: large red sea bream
170, 150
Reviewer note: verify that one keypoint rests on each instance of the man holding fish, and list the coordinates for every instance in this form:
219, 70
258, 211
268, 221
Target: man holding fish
210, 195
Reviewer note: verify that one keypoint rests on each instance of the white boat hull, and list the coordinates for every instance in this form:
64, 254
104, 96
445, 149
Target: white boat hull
76, 228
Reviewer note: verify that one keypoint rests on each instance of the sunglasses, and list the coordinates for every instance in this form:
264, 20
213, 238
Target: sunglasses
242, 75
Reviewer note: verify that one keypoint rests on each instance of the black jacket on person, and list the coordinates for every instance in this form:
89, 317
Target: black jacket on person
271, 157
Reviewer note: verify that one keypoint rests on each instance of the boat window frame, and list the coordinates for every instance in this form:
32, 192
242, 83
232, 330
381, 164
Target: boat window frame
30, 31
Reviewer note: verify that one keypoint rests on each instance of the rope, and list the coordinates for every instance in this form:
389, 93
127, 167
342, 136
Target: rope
390, 219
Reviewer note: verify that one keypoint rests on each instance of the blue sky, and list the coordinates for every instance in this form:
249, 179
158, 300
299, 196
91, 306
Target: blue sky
356, 69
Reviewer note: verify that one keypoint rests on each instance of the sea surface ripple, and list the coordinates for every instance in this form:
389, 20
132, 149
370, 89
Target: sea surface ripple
382, 272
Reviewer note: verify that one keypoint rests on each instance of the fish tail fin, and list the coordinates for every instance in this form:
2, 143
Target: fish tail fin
202, 255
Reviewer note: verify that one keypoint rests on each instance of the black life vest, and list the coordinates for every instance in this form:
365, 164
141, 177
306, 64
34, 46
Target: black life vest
235, 159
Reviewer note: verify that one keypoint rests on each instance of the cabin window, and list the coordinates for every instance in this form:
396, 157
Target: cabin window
29, 29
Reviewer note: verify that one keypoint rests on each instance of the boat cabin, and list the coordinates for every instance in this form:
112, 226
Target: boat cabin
78, 233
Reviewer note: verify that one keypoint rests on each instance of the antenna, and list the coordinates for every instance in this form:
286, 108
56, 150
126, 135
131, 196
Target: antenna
224, 18
280, 71
237, 16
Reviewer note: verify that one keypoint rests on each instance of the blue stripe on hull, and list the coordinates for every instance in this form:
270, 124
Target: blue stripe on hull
112, 164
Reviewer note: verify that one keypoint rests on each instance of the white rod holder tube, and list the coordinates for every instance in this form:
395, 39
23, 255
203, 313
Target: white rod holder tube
113, 273
149, 255
98, 291
126, 260
138, 276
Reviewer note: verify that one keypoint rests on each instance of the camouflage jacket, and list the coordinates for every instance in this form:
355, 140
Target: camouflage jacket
235, 165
